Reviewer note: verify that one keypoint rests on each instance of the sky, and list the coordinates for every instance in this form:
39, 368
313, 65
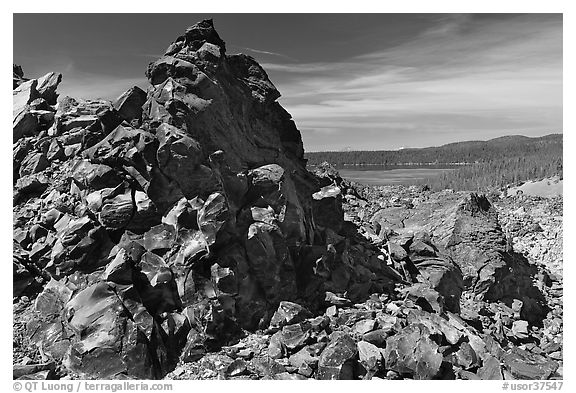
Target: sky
350, 81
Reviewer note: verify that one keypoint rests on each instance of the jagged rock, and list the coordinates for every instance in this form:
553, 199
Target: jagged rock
119, 270
25, 124
307, 357
388, 221
47, 86
91, 312
22, 276
364, 326
23, 95
295, 336
117, 212
517, 307
179, 157
18, 76
80, 244
32, 184
33, 163
267, 368
128, 144
225, 279
289, 313
370, 355
159, 237
129, 104
425, 297
465, 357
270, 261
412, 352
436, 324
444, 276
276, 349
465, 228
288, 377
477, 242
377, 337
105, 341
520, 329
332, 311
75, 113
471, 234
237, 367
34, 371
327, 175
336, 300
526, 365
212, 217
40, 104
194, 348
352, 316
396, 251
155, 269
45, 328
45, 118
337, 360
327, 207
31, 104
87, 175
169, 67
490, 370
55, 151
422, 249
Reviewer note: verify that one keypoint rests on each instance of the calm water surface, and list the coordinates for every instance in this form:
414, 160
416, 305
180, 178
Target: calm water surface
383, 177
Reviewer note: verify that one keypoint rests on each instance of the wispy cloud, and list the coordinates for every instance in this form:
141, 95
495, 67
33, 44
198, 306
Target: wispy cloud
263, 52
306, 68
458, 77
152, 56
462, 79
447, 25
86, 85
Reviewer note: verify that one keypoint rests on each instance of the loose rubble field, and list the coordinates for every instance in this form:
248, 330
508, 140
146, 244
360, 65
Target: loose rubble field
176, 233
376, 338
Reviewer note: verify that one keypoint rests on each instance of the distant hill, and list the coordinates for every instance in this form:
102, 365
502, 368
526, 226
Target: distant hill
485, 164
459, 152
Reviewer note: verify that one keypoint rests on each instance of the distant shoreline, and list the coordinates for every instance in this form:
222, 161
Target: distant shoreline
405, 165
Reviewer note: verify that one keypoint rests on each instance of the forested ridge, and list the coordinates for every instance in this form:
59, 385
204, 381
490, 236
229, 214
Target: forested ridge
487, 175
489, 164
459, 152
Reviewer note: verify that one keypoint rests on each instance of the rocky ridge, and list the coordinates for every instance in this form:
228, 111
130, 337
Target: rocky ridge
176, 232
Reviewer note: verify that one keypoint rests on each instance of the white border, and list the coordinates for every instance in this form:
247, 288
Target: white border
303, 6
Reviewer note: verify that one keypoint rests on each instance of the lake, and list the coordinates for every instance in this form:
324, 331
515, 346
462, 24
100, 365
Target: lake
384, 177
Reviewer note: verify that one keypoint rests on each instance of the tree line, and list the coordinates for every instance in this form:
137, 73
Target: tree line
487, 176
459, 152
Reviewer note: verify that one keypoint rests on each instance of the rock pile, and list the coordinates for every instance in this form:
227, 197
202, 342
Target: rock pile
385, 337
159, 225
535, 227
176, 231
33, 103
413, 332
